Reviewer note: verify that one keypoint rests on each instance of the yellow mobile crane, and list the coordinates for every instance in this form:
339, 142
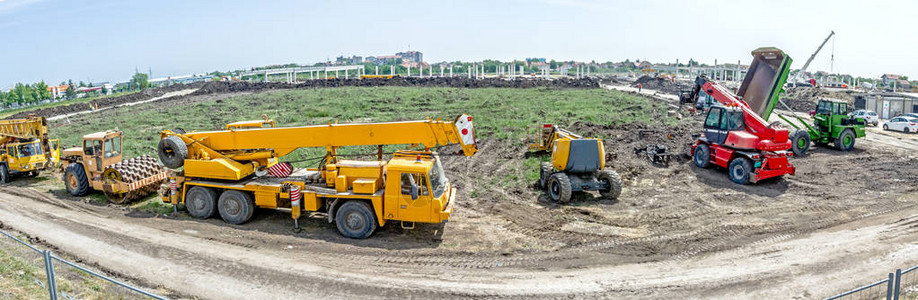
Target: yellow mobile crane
233, 171
577, 164
25, 147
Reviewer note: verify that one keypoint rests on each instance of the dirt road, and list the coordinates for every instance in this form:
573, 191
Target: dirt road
216, 261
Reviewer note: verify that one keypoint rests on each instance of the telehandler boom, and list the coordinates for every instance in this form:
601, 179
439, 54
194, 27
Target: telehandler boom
25, 147
233, 171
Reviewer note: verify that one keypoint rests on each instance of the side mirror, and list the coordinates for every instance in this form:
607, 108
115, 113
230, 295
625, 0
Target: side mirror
414, 191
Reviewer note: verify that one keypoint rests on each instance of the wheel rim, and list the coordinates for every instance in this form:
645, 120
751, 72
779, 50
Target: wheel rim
555, 190
354, 221
607, 183
739, 171
848, 140
197, 204
698, 157
232, 207
72, 181
801, 143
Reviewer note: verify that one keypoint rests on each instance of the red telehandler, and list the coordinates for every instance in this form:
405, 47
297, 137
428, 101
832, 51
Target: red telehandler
735, 136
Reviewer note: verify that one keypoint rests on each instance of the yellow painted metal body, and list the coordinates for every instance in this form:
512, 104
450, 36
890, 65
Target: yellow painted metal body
230, 159
557, 141
25, 145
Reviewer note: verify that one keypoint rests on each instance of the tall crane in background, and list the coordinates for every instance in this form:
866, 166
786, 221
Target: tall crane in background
808, 61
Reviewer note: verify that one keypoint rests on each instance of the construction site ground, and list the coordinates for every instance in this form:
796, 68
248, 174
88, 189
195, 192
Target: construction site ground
677, 231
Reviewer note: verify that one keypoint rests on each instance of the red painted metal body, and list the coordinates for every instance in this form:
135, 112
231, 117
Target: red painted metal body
766, 146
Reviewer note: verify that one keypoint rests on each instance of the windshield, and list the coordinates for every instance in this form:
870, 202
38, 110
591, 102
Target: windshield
437, 179
26, 150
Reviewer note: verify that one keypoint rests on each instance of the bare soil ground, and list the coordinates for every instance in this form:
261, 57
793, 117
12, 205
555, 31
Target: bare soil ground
845, 219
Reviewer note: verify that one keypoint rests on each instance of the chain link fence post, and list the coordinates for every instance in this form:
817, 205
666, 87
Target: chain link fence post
49, 272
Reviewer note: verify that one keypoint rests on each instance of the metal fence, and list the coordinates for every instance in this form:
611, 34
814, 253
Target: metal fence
902, 282
37, 258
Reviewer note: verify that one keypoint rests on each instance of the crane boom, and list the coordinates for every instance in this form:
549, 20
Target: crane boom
236, 153
808, 61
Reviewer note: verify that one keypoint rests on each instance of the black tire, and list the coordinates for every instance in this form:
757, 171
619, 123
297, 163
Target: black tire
544, 172
201, 202
172, 152
355, 219
702, 156
559, 188
740, 170
885, 127
801, 142
614, 181
906, 130
236, 207
845, 140
4, 173
75, 180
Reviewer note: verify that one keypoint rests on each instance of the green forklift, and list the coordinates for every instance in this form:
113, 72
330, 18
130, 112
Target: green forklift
831, 124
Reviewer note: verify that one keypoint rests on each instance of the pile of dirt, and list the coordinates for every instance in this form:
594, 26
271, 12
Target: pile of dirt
106, 102
803, 99
665, 85
457, 82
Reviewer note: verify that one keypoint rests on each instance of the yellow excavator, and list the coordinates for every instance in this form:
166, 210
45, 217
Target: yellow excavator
577, 164
231, 172
25, 147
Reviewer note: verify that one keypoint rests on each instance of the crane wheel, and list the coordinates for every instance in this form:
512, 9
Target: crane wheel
236, 207
355, 219
801, 142
845, 140
702, 156
559, 188
614, 181
201, 202
740, 170
544, 173
172, 152
4, 173
75, 180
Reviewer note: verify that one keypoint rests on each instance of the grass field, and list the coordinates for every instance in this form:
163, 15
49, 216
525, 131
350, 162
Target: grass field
499, 113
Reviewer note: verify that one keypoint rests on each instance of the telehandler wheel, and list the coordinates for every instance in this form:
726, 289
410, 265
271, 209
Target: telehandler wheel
236, 207
614, 181
559, 188
702, 156
845, 140
201, 202
801, 142
4, 173
172, 152
75, 180
740, 170
544, 173
355, 219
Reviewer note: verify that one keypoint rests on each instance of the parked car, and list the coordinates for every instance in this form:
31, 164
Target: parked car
869, 116
904, 124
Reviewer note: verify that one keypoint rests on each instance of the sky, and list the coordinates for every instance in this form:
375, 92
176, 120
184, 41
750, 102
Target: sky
95, 41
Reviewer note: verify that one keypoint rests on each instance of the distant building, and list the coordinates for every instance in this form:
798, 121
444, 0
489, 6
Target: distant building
353, 60
888, 78
383, 59
58, 91
412, 56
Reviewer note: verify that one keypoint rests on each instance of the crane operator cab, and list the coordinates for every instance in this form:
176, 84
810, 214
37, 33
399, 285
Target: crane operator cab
721, 120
